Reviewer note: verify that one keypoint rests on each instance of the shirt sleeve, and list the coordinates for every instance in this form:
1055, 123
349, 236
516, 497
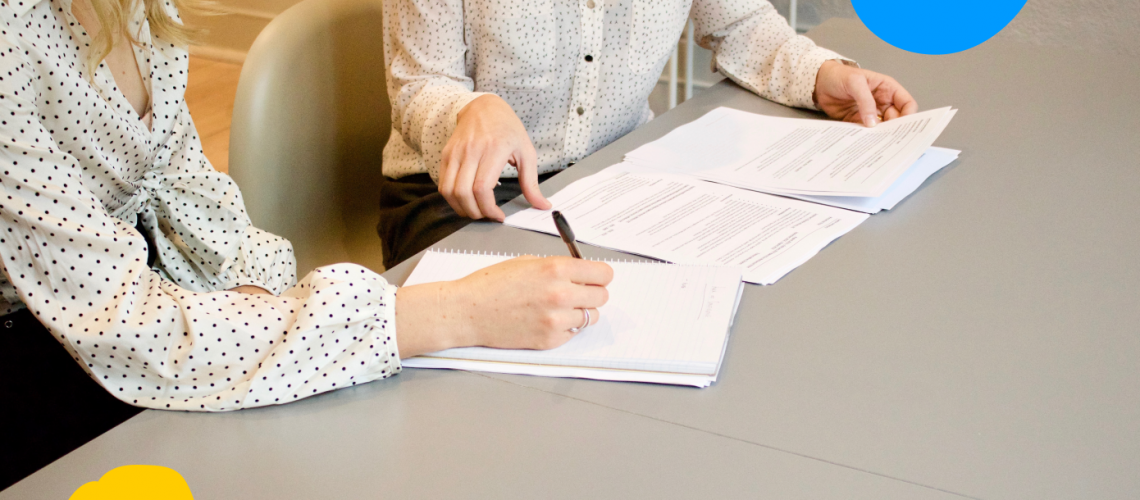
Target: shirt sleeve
149, 342
197, 218
427, 81
755, 47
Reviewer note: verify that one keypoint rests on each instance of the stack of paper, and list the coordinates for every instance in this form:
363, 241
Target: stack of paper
684, 220
791, 156
907, 183
656, 203
663, 323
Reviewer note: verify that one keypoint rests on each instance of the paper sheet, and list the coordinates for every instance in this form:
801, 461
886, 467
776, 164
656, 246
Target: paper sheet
793, 155
680, 219
663, 324
934, 160
562, 371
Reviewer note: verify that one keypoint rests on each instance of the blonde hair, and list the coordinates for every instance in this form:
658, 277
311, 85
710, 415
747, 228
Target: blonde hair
114, 15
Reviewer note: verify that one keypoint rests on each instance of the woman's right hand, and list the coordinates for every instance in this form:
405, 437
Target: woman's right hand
523, 303
488, 135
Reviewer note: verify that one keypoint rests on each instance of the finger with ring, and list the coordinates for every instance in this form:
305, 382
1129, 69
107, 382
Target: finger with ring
585, 321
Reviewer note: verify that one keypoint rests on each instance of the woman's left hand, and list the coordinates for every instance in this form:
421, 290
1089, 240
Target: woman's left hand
860, 96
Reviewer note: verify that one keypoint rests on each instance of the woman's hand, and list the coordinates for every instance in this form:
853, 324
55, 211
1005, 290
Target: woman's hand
523, 303
860, 96
488, 135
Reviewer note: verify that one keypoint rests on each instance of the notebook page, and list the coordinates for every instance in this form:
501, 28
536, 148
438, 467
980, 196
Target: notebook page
659, 317
562, 371
699, 381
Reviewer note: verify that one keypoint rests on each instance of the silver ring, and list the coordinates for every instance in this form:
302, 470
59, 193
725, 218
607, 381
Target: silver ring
585, 321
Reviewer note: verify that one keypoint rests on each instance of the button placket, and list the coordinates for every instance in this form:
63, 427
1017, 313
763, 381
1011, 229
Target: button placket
585, 85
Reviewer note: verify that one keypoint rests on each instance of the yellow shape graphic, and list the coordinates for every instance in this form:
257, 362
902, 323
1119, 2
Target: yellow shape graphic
136, 482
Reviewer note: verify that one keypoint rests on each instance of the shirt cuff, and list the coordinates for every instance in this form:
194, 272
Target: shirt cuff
808, 71
387, 360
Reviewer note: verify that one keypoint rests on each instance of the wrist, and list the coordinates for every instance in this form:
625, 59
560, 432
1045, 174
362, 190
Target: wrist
429, 319
820, 76
476, 105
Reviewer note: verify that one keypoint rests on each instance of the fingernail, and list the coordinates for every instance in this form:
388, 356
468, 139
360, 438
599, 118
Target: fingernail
870, 121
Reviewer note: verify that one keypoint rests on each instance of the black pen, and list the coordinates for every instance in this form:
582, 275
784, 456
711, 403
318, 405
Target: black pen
566, 233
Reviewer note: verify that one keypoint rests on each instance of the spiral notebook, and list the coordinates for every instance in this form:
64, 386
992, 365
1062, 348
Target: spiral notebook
664, 323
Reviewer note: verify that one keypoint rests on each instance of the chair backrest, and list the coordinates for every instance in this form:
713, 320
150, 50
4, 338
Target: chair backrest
310, 121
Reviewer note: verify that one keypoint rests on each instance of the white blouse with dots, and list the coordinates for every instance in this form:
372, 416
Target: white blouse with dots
577, 72
80, 170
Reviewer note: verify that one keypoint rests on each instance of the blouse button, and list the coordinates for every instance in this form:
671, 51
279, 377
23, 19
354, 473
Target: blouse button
590, 4
581, 111
589, 58
8, 324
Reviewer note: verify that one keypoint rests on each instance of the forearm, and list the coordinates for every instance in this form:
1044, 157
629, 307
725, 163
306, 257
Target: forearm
426, 75
425, 323
224, 351
152, 343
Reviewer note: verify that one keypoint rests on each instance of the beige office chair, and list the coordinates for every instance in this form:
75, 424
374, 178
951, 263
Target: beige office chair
310, 121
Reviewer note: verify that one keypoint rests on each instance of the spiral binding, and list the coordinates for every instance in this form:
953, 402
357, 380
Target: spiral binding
608, 261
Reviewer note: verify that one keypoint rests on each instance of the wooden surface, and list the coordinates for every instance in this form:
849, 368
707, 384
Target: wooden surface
210, 96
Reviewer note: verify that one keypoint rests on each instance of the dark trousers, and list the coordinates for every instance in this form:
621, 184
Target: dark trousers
49, 405
413, 215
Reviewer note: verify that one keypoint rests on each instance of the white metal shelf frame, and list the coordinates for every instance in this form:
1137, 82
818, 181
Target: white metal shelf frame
690, 50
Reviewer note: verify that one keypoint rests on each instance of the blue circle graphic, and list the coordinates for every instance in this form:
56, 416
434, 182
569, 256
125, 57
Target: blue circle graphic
936, 26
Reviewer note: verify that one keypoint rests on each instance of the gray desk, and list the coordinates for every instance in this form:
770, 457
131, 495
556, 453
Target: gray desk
981, 340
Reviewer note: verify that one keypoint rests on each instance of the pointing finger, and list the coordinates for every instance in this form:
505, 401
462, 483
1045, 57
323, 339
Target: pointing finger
464, 183
490, 168
528, 179
447, 174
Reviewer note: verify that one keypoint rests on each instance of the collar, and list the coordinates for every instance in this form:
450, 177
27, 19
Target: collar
22, 6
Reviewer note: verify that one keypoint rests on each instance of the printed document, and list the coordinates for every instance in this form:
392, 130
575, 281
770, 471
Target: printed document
684, 220
793, 155
930, 162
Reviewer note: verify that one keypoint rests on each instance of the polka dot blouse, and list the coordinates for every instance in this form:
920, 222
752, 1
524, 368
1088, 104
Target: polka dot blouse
80, 171
577, 72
